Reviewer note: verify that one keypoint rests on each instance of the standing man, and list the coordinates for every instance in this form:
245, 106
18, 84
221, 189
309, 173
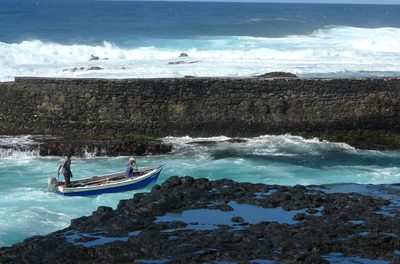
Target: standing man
66, 170
131, 168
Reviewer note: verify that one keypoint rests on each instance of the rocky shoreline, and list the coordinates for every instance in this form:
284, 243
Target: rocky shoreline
59, 146
46, 145
188, 220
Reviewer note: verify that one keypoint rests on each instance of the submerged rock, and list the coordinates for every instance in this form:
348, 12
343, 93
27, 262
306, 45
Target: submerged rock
175, 62
181, 62
203, 143
188, 220
237, 140
75, 69
93, 58
94, 68
277, 75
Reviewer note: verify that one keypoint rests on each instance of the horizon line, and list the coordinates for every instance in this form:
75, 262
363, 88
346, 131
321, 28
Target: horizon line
257, 1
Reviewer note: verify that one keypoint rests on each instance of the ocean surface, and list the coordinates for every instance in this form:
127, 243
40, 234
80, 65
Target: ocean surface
134, 39
27, 208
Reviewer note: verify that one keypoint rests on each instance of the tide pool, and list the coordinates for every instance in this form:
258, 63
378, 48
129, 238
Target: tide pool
27, 208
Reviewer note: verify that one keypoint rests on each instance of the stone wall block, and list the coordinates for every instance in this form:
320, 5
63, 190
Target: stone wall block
198, 106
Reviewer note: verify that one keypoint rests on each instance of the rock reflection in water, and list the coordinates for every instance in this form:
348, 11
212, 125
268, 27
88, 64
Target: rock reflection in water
340, 258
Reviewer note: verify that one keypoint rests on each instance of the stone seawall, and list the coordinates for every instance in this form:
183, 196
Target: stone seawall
199, 106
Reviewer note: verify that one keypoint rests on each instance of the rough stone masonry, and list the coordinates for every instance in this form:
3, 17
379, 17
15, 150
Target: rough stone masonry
199, 106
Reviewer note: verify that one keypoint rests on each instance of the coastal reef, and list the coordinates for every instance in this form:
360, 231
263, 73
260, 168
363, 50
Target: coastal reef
365, 112
187, 220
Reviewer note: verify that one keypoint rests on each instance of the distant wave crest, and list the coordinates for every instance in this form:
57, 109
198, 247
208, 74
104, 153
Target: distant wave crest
279, 27
324, 51
272, 22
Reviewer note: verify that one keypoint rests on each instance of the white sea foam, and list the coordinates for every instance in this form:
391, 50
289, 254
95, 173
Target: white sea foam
18, 154
16, 140
181, 144
272, 145
17, 195
289, 145
337, 50
18, 147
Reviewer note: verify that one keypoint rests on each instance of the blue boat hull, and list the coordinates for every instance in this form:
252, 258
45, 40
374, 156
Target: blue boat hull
130, 187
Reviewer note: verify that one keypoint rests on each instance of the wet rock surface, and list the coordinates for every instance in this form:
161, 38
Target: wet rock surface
277, 75
62, 147
213, 142
59, 146
181, 62
188, 220
76, 69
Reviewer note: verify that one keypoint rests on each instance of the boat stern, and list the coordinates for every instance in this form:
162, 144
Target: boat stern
53, 184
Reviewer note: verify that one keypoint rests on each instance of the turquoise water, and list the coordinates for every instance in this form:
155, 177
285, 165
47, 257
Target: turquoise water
27, 208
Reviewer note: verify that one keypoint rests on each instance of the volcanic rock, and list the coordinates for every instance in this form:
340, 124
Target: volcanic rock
94, 68
277, 75
186, 220
93, 58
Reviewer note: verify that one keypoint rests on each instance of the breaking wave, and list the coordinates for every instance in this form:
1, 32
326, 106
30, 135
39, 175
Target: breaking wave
334, 51
17, 147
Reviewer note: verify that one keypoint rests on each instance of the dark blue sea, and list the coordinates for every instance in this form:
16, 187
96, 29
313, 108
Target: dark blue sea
146, 39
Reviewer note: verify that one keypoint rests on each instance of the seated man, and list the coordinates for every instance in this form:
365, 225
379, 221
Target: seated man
131, 168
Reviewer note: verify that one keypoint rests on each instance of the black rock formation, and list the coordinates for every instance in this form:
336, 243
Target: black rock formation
93, 58
278, 75
59, 146
200, 221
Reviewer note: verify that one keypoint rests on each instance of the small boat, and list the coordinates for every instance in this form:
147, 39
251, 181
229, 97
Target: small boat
109, 183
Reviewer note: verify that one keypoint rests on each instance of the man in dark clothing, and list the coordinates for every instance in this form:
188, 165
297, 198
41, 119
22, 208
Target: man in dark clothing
66, 171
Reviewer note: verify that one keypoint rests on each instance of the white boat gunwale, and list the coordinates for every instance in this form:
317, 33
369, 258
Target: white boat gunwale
105, 182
